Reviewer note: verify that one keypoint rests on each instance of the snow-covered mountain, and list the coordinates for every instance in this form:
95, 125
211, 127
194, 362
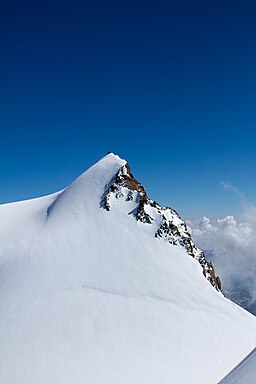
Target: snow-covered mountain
102, 285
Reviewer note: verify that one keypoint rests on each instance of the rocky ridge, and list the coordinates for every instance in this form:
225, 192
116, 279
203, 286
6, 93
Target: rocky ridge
170, 227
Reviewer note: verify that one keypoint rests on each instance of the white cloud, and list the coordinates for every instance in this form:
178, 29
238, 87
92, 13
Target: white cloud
230, 242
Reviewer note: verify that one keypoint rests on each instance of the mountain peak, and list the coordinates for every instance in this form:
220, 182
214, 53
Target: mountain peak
110, 183
112, 157
86, 190
106, 277
167, 224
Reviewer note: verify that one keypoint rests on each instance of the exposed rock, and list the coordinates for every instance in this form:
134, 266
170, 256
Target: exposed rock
171, 229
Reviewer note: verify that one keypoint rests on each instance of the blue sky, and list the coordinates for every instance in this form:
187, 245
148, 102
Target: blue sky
168, 85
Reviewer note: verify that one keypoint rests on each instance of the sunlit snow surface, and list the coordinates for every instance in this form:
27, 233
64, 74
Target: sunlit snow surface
91, 296
244, 372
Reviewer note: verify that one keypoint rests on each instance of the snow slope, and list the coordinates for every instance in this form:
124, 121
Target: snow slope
92, 295
244, 372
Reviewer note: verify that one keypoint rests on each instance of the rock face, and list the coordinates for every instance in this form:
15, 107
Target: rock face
170, 227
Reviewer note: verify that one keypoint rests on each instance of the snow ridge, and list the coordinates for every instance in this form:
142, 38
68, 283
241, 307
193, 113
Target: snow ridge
170, 227
244, 372
103, 291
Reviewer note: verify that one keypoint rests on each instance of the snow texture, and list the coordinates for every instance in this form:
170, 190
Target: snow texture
91, 295
244, 372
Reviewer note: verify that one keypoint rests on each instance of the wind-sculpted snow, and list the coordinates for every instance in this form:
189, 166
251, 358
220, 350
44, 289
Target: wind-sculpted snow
91, 295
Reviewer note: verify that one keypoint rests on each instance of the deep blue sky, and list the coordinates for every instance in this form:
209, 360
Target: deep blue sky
168, 85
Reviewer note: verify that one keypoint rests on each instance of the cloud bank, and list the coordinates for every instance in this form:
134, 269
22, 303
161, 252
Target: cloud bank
230, 243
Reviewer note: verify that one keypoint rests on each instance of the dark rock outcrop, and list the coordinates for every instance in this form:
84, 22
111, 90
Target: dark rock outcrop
171, 229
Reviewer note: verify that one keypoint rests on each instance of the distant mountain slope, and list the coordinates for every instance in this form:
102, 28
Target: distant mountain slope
100, 284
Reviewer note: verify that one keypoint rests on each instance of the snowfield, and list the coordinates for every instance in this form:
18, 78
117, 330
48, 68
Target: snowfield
91, 296
244, 372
